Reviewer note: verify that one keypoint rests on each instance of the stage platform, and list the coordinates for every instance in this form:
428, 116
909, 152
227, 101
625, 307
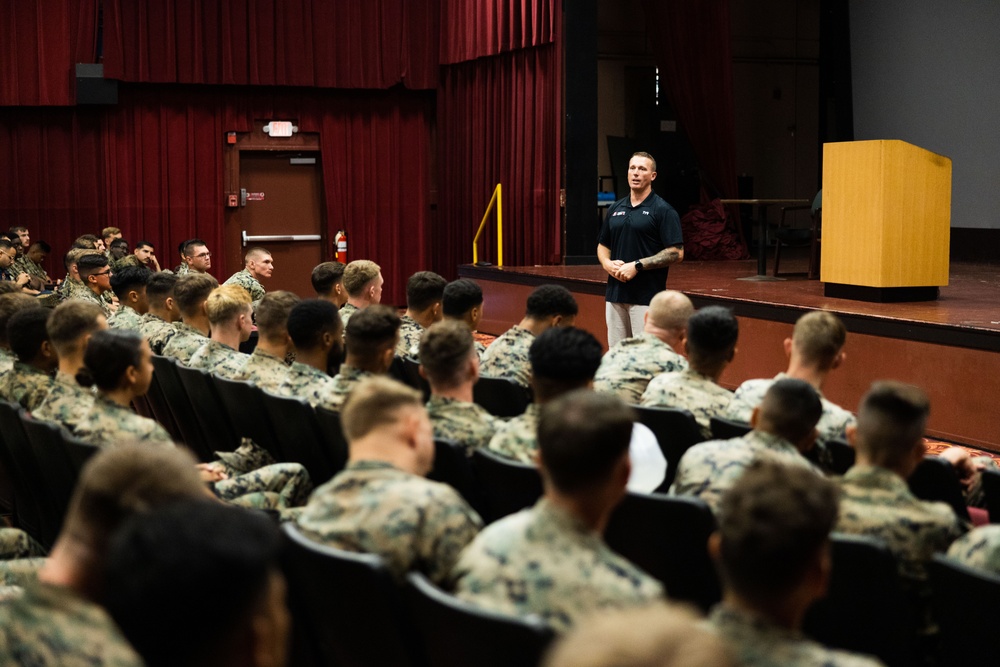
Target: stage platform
950, 347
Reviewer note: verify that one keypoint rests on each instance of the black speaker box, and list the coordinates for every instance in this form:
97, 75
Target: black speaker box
92, 87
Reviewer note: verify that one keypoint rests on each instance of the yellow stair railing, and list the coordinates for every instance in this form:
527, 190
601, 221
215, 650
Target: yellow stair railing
497, 199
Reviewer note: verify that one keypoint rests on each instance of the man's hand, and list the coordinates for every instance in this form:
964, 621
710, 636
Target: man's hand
23, 279
156, 265
627, 272
211, 472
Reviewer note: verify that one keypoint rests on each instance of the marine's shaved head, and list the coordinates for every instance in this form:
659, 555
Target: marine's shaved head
670, 309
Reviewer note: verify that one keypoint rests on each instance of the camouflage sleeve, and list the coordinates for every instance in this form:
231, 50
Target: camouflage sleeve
451, 525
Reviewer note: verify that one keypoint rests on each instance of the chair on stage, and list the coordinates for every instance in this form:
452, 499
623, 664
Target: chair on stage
676, 430
501, 397
785, 235
506, 486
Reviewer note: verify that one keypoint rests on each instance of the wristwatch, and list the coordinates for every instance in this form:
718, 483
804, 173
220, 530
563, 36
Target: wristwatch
638, 265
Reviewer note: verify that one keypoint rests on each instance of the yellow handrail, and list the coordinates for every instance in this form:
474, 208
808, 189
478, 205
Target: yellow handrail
498, 198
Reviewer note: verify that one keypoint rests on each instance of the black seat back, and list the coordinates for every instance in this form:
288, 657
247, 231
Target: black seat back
407, 371
348, 609
667, 536
842, 456
676, 431
454, 633
295, 422
935, 479
244, 403
453, 466
160, 408
208, 409
30, 504
865, 609
333, 436
57, 474
507, 486
725, 429
501, 397
176, 397
991, 489
966, 605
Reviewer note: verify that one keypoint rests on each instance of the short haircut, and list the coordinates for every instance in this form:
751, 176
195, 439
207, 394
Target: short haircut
26, 332
10, 304
374, 403
6, 243
550, 300
460, 296
272, 313
41, 245
122, 481
424, 289
670, 309
109, 353
256, 253
17, 228
891, 421
445, 349
74, 255
144, 244
118, 244
109, 231
227, 302
371, 331
187, 248
772, 522
91, 263
9, 287
326, 275
129, 278
657, 635
163, 566
819, 336
645, 155
192, 290
581, 435
309, 319
71, 321
358, 274
792, 408
161, 285
86, 242
712, 333
562, 359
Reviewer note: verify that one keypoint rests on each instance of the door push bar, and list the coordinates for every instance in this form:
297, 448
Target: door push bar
266, 238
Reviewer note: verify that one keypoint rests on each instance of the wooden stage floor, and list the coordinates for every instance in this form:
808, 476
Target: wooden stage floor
950, 347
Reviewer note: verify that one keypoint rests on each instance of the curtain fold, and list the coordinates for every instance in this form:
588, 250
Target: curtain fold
343, 44
481, 28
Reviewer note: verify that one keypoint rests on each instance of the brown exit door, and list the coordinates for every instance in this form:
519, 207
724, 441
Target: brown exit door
283, 213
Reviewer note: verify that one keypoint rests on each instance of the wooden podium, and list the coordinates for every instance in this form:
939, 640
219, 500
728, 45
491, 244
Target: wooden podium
886, 221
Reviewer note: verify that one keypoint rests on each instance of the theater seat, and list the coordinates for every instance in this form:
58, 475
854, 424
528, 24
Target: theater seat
501, 397
676, 430
966, 606
507, 486
725, 429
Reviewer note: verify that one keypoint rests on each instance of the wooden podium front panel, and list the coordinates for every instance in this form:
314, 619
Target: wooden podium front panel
886, 215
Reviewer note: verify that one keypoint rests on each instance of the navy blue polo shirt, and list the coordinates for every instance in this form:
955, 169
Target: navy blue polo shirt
635, 232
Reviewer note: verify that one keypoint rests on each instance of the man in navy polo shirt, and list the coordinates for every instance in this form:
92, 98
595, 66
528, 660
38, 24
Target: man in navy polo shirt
639, 240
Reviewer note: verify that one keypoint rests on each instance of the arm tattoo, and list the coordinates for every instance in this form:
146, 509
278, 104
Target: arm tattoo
665, 257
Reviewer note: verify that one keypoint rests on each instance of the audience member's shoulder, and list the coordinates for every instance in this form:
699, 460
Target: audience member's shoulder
979, 548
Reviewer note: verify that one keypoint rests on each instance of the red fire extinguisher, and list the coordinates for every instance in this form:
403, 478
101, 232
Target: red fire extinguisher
341, 242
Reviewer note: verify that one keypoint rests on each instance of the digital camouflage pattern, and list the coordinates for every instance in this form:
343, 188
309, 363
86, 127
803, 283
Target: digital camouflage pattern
183, 269
125, 318
7, 360
126, 261
275, 486
346, 311
411, 522
627, 368
979, 548
249, 456
507, 356
184, 343
480, 350
410, 332
755, 642
247, 282
344, 383
468, 424
86, 294
689, 390
52, 627
15, 543
709, 469
67, 403
264, 369
25, 385
543, 561
23, 571
518, 438
157, 331
219, 359
26, 265
71, 288
832, 424
108, 424
310, 384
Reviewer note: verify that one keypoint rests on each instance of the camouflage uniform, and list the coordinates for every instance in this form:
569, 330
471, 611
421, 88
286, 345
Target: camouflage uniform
157, 331
480, 350
979, 548
275, 486
25, 385
52, 626
344, 383
7, 360
126, 261
756, 642
311, 384
410, 332
688, 390
86, 294
125, 318
247, 282
543, 561
709, 469
346, 311
183, 269
15, 543
263, 369
832, 425
21, 572
67, 403
219, 359
27, 265
628, 367
466, 423
518, 438
71, 288
412, 522
507, 356
184, 343
108, 424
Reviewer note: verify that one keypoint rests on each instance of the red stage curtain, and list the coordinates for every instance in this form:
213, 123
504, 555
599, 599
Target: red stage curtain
40, 41
472, 30
499, 120
691, 43
341, 44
